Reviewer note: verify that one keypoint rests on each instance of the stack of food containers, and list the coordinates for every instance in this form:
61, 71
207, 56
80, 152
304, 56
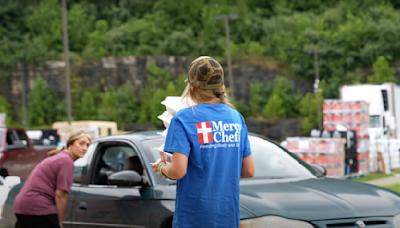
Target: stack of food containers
354, 116
328, 152
172, 104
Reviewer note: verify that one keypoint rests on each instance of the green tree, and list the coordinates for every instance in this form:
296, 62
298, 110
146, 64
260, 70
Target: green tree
119, 105
106, 109
309, 111
45, 24
78, 28
42, 104
382, 72
5, 107
96, 41
274, 109
257, 100
87, 108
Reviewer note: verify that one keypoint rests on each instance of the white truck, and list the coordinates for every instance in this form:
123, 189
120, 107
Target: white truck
384, 107
384, 112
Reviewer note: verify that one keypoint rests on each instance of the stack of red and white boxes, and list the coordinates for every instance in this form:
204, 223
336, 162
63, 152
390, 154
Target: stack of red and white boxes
353, 115
328, 152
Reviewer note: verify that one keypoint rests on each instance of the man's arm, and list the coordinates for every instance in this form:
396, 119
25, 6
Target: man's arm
61, 204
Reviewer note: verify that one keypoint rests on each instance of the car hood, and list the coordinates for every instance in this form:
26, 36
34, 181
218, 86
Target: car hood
317, 199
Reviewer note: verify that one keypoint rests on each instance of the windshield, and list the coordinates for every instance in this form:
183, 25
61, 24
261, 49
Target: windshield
150, 148
375, 121
270, 160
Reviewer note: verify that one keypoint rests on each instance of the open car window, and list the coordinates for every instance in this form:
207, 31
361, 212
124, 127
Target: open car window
82, 163
110, 159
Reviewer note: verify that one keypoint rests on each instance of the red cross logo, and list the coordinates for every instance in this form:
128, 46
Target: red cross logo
204, 132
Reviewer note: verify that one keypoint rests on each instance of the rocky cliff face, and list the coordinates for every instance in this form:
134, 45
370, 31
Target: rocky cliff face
115, 71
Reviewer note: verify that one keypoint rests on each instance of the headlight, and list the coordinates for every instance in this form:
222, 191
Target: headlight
274, 222
396, 221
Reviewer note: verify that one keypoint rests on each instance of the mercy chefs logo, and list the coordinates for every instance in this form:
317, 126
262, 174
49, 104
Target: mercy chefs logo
218, 132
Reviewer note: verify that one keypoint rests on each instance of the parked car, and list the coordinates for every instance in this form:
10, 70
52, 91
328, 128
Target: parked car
5, 185
18, 155
115, 186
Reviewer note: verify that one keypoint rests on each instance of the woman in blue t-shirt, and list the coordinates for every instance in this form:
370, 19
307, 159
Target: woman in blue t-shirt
211, 152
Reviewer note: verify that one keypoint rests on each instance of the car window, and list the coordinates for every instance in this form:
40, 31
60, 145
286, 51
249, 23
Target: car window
14, 142
115, 159
11, 138
272, 161
22, 138
81, 164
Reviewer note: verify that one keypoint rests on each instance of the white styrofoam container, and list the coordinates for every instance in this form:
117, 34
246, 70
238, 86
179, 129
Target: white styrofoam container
174, 103
166, 118
163, 133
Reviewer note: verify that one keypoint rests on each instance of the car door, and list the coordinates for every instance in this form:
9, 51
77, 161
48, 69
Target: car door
16, 161
30, 157
99, 204
81, 165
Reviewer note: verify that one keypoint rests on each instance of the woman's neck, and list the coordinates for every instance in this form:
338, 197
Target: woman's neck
211, 102
73, 156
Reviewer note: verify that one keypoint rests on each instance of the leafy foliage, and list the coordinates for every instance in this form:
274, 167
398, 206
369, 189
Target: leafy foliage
42, 104
5, 107
382, 72
354, 34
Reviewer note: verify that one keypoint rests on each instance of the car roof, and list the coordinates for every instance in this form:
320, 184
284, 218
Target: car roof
133, 136
147, 135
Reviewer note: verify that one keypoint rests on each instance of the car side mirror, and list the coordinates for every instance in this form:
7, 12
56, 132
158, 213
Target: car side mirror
319, 169
126, 178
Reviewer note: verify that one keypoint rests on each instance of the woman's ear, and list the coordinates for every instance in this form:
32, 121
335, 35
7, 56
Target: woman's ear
191, 88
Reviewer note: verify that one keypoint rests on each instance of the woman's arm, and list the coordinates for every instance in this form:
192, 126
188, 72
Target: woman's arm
248, 169
61, 199
177, 169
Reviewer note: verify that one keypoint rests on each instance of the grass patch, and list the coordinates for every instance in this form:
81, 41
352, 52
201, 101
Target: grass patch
376, 176
394, 187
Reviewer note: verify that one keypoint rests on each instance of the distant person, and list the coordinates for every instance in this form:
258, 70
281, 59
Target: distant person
210, 152
43, 198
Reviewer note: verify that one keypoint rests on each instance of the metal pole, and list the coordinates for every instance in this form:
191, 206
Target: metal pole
228, 48
317, 89
316, 65
228, 52
66, 58
23, 98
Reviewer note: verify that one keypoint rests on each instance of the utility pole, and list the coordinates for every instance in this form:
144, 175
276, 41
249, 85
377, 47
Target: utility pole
23, 95
228, 47
66, 58
317, 90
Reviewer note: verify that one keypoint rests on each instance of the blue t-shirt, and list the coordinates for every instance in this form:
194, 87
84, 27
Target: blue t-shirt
214, 137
